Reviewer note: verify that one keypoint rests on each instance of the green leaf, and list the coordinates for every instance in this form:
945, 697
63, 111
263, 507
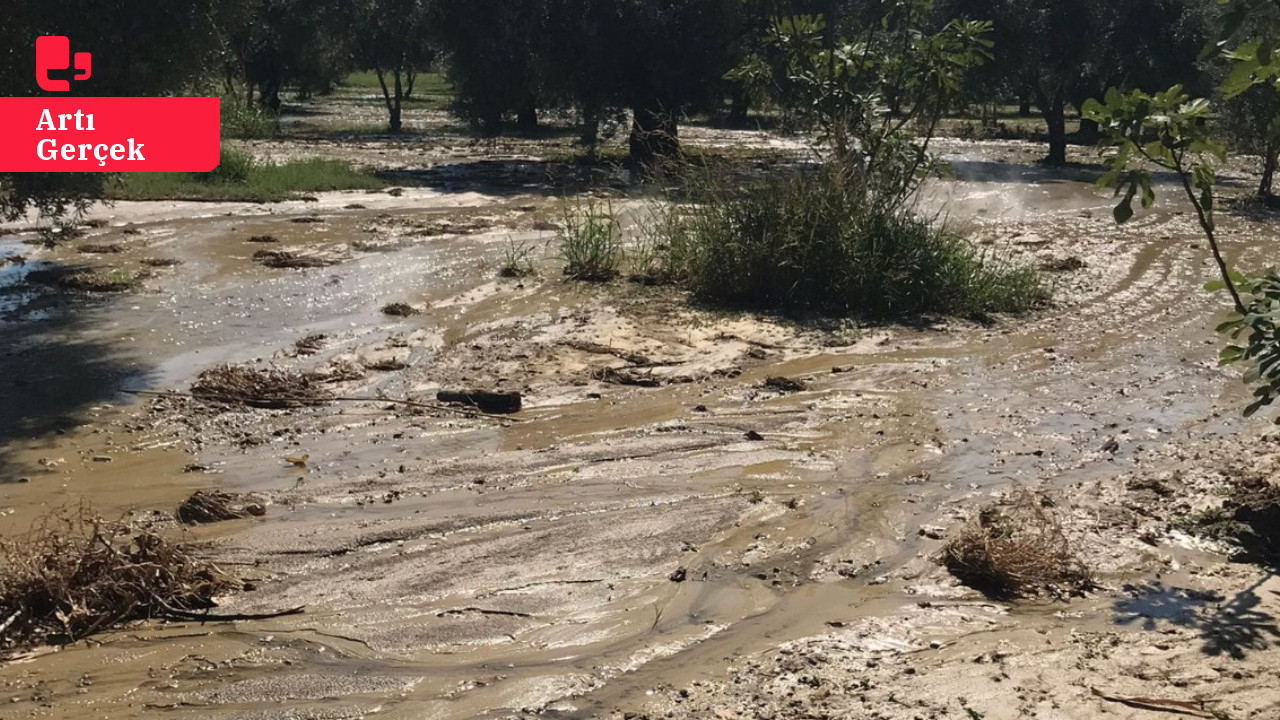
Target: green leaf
1255, 407
1230, 354
1124, 211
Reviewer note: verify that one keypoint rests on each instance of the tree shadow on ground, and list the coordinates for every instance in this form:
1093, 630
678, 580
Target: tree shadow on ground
53, 365
1233, 626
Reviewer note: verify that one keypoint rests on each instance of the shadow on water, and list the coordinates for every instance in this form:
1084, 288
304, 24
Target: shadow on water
1232, 626
55, 363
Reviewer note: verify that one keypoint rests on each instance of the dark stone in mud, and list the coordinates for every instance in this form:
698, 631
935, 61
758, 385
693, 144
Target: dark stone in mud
679, 576
399, 310
263, 239
786, 385
493, 403
754, 436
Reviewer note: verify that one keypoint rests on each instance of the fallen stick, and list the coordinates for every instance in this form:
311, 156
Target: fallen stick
175, 614
1179, 707
406, 403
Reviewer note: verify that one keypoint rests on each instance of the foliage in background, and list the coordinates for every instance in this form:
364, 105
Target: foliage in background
391, 38
1171, 130
875, 99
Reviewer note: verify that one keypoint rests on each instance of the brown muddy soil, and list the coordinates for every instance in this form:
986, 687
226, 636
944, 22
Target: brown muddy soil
661, 532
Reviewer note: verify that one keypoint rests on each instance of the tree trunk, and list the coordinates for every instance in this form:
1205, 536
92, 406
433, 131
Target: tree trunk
411, 76
527, 117
655, 136
1055, 116
271, 95
393, 101
590, 125
1089, 133
741, 105
397, 104
1024, 106
1271, 158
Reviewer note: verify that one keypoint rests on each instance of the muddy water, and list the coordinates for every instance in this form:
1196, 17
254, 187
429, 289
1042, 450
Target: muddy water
618, 539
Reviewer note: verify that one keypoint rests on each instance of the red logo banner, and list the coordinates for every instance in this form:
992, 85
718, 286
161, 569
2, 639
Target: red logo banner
109, 134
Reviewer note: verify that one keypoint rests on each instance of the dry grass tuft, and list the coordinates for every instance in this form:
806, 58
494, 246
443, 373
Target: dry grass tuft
157, 262
271, 389
101, 249
75, 574
1017, 548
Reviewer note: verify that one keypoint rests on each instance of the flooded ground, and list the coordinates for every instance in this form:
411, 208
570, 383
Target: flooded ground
698, 544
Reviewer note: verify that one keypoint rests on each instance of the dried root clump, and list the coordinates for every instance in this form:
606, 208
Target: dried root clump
205, 508
101, 249
160, 262
310, 345
75, 574
270, 389
289, 259
1017, 548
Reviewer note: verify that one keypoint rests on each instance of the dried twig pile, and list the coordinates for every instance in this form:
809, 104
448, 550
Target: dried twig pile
1017, 548
271, 389
74, 574
204, 508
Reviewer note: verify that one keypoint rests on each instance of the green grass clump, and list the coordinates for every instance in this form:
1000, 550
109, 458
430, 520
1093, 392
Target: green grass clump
239, 177
819, 244
246, 121
590, 240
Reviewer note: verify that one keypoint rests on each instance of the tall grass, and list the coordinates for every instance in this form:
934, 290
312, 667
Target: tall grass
239, 177
590, 240
818, 244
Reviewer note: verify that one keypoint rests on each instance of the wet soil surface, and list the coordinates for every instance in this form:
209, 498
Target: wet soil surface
661, 531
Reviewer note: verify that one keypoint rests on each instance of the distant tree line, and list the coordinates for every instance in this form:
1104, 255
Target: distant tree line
655, 62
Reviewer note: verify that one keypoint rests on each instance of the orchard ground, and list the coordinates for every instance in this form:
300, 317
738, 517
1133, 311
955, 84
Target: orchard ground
701, 544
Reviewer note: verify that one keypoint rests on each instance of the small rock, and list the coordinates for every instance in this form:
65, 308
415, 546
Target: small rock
103, 458
754, 436
679, 576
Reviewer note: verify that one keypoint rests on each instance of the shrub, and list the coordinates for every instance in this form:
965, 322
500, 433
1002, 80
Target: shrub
245, 121
822, 244
590, 239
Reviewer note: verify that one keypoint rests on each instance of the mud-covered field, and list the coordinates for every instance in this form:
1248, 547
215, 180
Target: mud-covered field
661, 532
